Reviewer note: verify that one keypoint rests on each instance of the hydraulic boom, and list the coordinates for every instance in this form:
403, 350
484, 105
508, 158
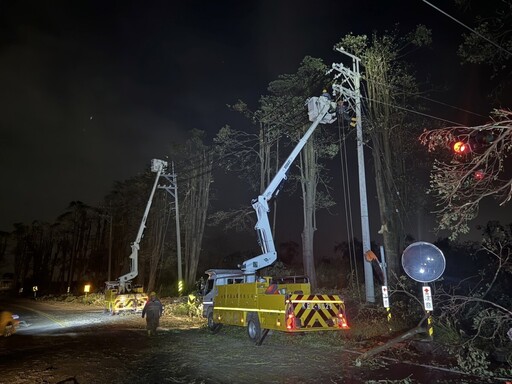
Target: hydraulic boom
321, 111
157, 166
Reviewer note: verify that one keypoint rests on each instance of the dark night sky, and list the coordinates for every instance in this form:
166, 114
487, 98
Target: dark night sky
91, 91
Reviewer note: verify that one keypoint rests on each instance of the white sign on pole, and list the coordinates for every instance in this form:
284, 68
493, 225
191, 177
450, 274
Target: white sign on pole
427, 298
385, 296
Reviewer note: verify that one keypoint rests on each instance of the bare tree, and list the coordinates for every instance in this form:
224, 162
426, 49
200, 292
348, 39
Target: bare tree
195, 189
253, 156
21, 254
478, 172
154, 243
475, 171
4, 241
390, 88
491, 42
477, 310
77, 224
41, 245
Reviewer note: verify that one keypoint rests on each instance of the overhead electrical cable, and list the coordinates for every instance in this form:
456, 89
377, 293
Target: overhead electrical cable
391, 185
470, 29
412, 111
212, 151
347, 201
427, 98
299, 113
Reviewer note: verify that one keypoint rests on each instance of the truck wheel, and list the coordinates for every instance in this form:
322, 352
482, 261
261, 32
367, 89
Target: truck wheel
213, 326
253, 326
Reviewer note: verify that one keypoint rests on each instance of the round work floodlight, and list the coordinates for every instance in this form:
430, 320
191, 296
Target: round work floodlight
423, 262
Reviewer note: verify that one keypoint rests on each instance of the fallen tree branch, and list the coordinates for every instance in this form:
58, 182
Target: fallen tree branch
372, 352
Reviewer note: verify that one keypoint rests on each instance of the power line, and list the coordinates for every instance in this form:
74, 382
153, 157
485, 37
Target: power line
413, 111
347, 198
465, 26
215, 157
426, 98
212, 151
390, 182
275, 122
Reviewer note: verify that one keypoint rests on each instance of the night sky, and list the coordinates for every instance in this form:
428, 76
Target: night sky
91, 91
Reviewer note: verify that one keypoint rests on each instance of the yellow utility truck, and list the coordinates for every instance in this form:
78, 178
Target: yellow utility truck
284, 304
240, 297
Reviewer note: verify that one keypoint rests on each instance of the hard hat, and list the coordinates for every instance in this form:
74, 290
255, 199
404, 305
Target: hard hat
152, 294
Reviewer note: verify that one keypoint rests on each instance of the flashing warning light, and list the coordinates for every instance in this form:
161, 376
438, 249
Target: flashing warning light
460, 147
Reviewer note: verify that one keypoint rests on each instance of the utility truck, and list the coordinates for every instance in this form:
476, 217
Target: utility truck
241, 297
121, 295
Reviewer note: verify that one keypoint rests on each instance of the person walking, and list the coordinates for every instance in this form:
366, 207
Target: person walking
152, 310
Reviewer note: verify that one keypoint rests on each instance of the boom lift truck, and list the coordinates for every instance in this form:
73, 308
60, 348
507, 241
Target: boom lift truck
121, 295
240, 297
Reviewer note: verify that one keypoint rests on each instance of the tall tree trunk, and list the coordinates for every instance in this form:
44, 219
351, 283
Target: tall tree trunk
194, 203
20, 254
385, 152
391, 89
309, 183
197, 207
391, 232
156, 241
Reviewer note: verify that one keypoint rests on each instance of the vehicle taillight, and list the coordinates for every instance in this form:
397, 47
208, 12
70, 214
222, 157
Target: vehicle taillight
290, 321
290, 317
342, 322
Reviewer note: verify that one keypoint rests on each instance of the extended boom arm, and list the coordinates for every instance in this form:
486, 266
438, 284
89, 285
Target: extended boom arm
318, 110
157, 166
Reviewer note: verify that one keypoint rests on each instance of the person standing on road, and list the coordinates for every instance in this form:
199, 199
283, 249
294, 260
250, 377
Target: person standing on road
152, 310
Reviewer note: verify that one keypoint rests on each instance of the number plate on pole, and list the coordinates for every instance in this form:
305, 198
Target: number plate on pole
427, 298
385, 296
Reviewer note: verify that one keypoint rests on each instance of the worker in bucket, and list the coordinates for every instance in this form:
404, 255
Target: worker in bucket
152, 310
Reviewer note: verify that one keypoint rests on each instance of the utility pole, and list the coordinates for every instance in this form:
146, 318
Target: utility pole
350, 90
172, 189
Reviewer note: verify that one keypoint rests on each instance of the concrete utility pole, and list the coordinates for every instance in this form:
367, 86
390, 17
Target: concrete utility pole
350, 90
172, 189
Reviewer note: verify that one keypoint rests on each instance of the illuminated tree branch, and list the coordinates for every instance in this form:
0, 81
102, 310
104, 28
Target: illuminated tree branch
461, 183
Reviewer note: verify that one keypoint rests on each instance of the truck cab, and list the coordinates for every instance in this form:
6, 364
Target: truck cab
215, 278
